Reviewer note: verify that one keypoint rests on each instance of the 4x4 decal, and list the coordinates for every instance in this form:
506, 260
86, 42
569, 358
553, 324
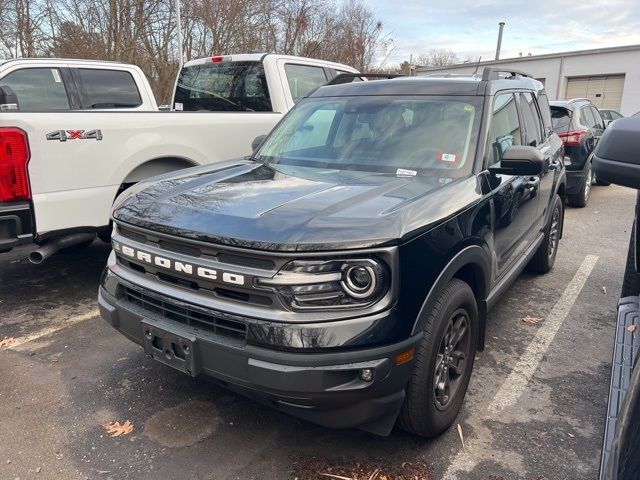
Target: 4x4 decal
64, 135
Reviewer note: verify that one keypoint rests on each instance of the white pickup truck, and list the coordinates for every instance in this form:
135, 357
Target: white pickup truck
74, 133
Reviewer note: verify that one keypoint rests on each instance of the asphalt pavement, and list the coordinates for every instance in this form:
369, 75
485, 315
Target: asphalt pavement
535, 408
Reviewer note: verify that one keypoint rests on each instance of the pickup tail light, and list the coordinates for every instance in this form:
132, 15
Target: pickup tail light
14, 159
574, 137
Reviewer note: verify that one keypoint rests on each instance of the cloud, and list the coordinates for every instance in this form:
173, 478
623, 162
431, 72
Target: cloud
470, 27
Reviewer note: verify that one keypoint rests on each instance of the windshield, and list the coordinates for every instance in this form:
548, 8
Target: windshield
421, 135
223, 87
560, 119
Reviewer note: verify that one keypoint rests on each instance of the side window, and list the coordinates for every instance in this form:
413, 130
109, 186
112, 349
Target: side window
303, 78
586, 117
596, 115
38, 89
505, 127
545, 111
109, 88
533, 130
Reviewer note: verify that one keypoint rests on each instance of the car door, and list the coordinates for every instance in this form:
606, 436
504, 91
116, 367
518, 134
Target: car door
598, 125
514, 197
538, 134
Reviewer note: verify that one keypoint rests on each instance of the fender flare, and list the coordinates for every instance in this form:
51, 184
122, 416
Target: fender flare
473, 256
157, 166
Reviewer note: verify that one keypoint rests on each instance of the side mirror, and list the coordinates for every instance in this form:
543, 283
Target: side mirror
257, 142
520, 160
617, 157
8, 98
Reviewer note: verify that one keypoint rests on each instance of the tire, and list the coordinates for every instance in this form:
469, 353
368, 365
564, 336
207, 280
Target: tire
78, 247
424, 413
545, 256
601, 183
581, 198
631, 280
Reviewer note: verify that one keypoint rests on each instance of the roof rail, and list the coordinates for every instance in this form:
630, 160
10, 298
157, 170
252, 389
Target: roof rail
350, 77
493, 73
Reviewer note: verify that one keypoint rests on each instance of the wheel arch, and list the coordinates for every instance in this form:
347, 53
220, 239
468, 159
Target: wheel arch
157, 166
471, 265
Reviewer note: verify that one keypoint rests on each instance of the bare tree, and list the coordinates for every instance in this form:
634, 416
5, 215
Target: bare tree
437, 57
143, 32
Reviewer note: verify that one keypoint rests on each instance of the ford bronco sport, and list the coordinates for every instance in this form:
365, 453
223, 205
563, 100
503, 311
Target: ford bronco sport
344, 271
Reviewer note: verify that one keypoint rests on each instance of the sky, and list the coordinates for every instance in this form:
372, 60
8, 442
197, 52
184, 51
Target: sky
470, 27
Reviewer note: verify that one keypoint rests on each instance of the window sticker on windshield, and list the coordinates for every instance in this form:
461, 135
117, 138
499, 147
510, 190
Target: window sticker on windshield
468, 108
179, 106
56, 75
409, 173
448, 157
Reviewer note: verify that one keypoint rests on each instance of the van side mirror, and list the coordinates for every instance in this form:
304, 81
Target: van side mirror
8, 98
617, 156
520, 160
257, 142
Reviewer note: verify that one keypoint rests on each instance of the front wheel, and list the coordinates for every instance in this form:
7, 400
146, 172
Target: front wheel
444, 360
545, 256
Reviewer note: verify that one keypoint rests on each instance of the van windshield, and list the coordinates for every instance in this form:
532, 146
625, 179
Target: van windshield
407, 135
223, 87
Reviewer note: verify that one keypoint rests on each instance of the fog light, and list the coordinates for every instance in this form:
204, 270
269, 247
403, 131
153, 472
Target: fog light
366, 375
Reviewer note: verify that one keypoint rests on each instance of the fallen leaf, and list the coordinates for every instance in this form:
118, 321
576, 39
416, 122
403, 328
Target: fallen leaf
531, 320
116, 429
374, 474
7, 342
461, 436
632, 328
571, 435
103, 472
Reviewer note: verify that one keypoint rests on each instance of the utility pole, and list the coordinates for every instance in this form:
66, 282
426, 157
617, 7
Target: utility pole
499, 47
179, 22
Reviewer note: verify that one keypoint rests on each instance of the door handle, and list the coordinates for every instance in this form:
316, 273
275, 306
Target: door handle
532, 182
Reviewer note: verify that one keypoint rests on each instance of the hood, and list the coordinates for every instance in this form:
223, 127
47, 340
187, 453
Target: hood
278, 207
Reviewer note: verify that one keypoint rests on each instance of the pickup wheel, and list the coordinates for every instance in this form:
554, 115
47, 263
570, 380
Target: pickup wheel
581, 198
545, 256
444, 360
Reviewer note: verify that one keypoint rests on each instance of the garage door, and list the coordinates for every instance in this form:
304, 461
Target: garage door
603, 91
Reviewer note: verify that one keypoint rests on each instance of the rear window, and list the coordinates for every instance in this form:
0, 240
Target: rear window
109, 88
223, 87
560, 119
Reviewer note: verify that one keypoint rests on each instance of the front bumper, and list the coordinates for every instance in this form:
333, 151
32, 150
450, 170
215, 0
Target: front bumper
16, 225
321, 386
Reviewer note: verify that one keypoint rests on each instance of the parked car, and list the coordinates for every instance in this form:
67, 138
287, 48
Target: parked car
344, 271
75, 133
580, 126
617, 160
609, 115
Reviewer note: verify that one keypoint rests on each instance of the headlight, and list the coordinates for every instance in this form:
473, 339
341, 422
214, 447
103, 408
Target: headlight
322, 284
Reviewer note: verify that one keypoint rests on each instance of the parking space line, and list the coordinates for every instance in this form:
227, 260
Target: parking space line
516, 382
17, 342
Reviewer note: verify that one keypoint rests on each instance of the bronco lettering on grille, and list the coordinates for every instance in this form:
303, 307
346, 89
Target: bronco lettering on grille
179, 267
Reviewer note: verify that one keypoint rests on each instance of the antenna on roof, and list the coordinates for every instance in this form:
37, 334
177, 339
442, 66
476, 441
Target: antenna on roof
477, 65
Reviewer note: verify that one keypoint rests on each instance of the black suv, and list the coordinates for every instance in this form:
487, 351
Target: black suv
617, 160
344, 271
579, 124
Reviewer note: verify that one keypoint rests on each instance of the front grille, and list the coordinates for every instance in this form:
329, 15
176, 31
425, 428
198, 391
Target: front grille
185, 314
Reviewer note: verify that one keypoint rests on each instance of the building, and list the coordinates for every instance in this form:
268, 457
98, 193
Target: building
609, 77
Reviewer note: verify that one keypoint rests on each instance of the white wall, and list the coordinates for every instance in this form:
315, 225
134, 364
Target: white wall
556, 70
